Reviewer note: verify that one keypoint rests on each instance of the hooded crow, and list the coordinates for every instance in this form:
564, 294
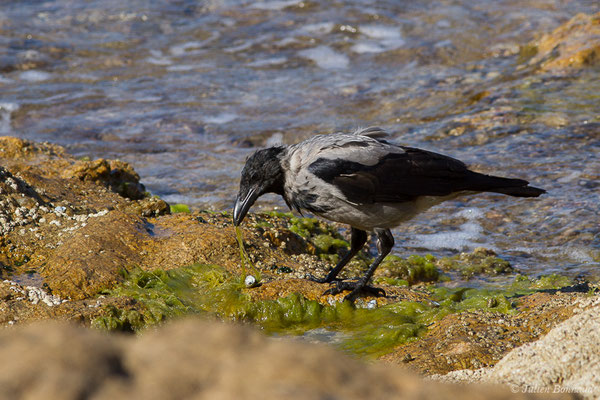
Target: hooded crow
362, 180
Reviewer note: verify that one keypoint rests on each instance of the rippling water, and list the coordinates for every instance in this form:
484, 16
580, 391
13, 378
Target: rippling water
185, 90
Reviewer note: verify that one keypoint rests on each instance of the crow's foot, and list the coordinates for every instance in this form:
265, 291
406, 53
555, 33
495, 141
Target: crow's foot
356, 288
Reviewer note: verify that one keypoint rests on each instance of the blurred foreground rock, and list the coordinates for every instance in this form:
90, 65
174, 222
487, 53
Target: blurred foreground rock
203, 360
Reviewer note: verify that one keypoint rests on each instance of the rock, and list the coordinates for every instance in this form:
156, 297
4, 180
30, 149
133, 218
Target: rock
115, 174
199, 359
94, 254
20, 304
573, 45
471, 340
567, 359
568, 356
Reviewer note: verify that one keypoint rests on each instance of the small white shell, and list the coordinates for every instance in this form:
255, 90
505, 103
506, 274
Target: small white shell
250, 281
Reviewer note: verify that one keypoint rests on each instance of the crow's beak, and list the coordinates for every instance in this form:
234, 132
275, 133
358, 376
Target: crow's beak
243, 204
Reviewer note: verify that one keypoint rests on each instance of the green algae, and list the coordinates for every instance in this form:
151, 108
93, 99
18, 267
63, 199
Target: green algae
523, 284
416, 269
330, 245
326, 239
479, 262
326, 243
179, 208
526, 53
412, 270
263, 225
212, 291
244, 259
322, 235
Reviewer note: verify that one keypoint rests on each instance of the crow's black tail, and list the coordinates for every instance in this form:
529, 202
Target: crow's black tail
495, 184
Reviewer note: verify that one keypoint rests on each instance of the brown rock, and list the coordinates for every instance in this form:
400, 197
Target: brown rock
198, 359
94, 255
573, 45
119, 176
472, 340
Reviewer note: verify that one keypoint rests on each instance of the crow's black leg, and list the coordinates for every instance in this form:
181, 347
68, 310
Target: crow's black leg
385, 242
358, 238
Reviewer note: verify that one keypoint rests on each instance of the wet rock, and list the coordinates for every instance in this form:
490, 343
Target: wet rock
565, 360
481, 261
47, 196
192, 359
19, 202
119, 176
472, 340
93, 255
21, 304
150, 207
573, 45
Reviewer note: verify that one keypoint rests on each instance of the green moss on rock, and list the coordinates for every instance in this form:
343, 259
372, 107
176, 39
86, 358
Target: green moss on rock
480, 262
210, 290
414, 269
180, 208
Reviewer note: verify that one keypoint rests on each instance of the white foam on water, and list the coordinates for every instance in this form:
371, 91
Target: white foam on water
274, 5
9, 107
465, 238
325, 57
158, 58
572, 176
6, 109
148, 99
247, 44
34, 76
381, 32
159, 61
243, 46
222, 118
268, 61
181, 67
443, 43
192, 47
368, 47
380, 38
319, 28
286, 41
443, 23
183, 48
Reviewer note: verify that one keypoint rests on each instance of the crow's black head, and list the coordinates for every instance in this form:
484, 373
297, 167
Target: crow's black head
261, 174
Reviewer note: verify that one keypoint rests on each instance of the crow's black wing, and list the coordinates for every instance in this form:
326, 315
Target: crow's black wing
399, 177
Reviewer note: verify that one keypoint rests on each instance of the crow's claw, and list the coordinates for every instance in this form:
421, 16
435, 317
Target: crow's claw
355, 288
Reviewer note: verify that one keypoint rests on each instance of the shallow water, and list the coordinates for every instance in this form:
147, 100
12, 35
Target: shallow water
185, 90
